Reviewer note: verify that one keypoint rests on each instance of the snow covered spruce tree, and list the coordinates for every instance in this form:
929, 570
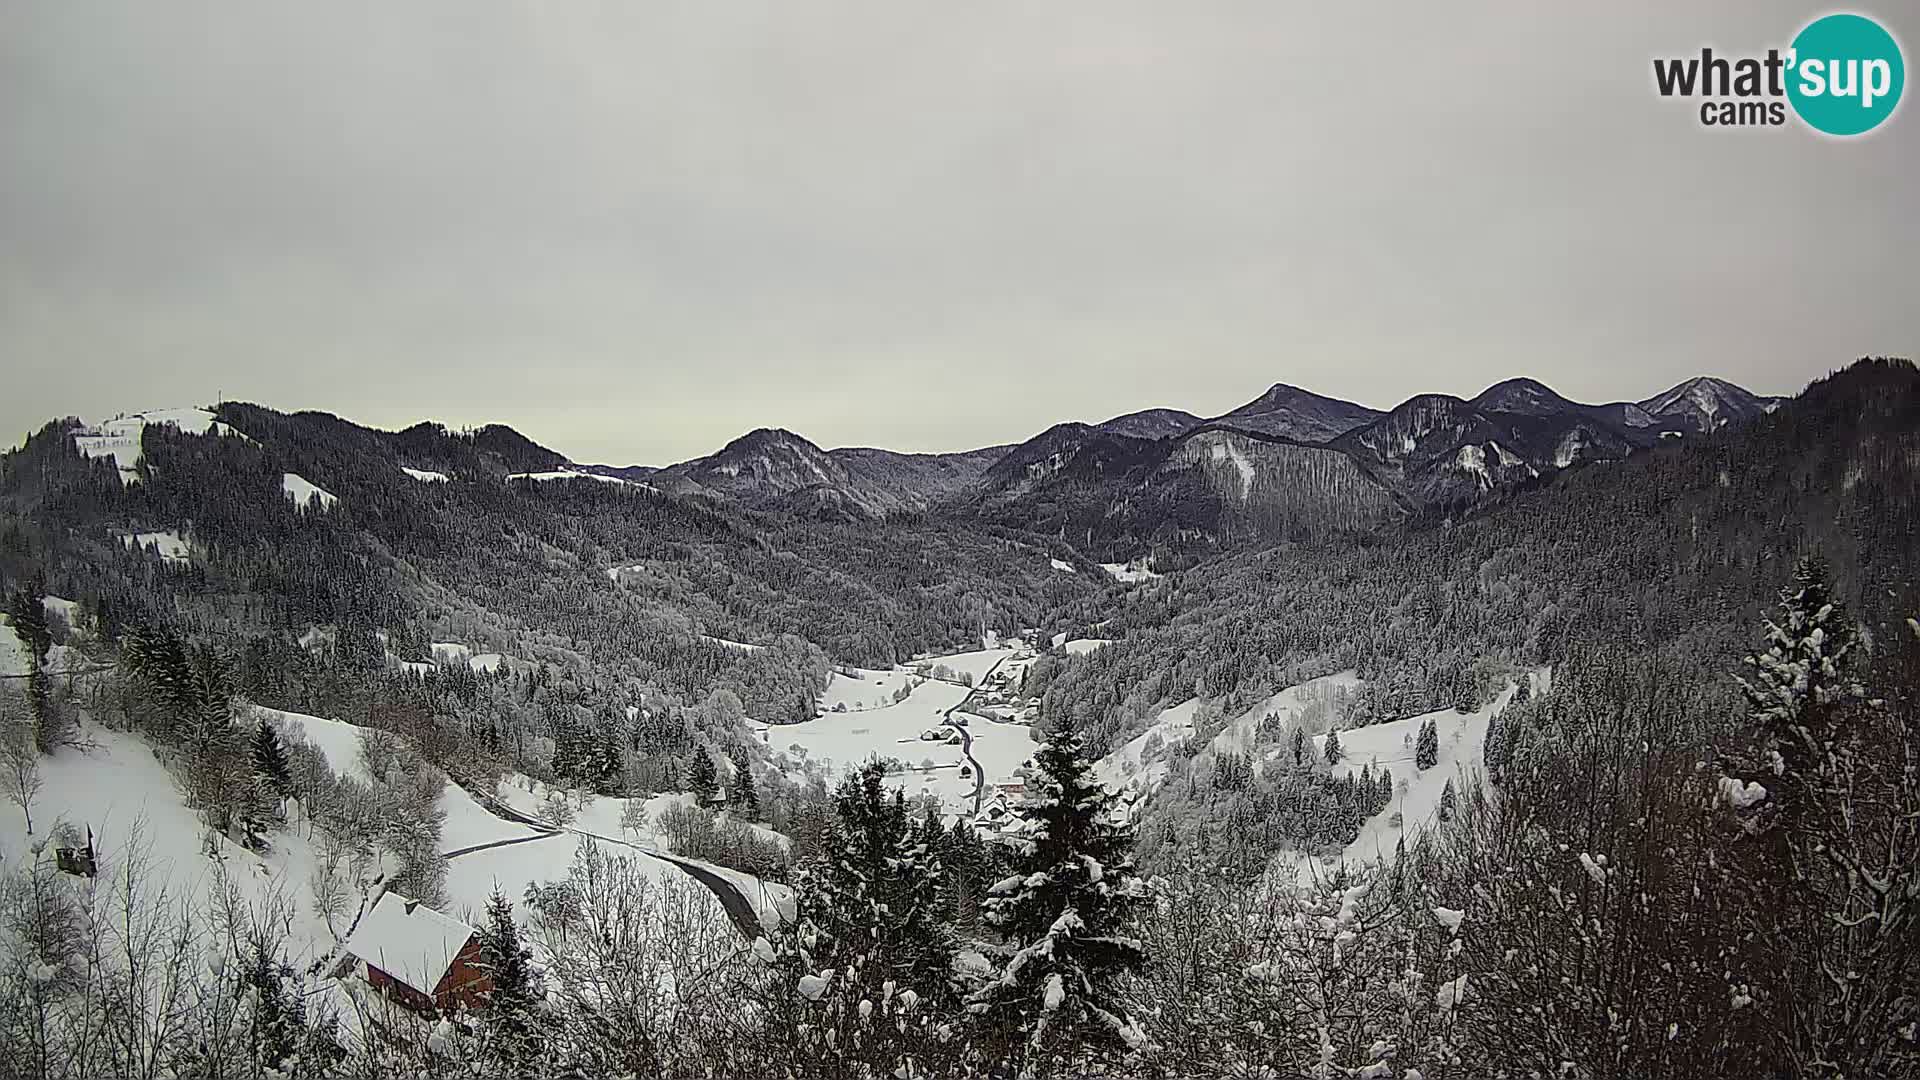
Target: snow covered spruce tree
1068, 914
513, 1010
863, 977
1828, 800
1804, 673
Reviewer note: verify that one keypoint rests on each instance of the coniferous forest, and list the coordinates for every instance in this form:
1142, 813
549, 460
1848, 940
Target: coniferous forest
1693, 850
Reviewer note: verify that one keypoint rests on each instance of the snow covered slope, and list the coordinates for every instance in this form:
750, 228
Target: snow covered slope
305, 494
467, 823
117, 788
1416, 792
119, 438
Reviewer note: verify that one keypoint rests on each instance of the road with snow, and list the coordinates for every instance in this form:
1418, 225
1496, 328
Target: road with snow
966, 735
734, 901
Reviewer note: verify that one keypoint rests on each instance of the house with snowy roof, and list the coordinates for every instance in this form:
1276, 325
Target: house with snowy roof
421, 958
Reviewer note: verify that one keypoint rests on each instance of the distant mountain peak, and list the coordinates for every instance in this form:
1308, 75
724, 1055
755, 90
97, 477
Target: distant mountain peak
1293, 413
1529, 397
1152, 423
1706, 403
760, 438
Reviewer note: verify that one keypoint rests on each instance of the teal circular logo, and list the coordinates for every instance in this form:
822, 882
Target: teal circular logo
1846, 74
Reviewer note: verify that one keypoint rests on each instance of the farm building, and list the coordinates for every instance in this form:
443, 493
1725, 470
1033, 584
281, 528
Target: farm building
419, 957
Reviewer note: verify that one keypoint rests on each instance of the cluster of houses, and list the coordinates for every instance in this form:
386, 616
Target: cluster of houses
998, 697
1000, 818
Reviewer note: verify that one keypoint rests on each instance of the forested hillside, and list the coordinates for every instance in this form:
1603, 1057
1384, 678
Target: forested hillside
1658, 551
1634, 738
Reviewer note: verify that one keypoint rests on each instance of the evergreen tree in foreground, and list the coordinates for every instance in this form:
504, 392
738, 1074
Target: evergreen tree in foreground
511, 1009
1333, 750
877, 887
868, 963
1803, 673
1067, 912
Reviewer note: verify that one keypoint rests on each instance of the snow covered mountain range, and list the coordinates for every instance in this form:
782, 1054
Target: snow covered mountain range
1289, 462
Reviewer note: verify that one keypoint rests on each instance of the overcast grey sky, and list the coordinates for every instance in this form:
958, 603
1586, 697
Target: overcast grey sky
635, 230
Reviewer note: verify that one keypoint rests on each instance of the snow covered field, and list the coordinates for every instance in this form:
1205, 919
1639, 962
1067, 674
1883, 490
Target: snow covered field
976, 663
575, 474
873, 689
874, 725
1083, 646
1290, 704
848, 738
1138, 763
303, 492
467, 823
14, 656
512, 867
1416, 793
168, 546
119, 438
1141, 762
425, 476
1130, 573
117, 787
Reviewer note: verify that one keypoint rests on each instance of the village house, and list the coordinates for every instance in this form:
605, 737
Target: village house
418, 957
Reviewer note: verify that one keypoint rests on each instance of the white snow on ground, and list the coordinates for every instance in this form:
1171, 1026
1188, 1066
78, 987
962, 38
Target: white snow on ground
120, 790
1129, 573
1224, 449
1063, 565
1288, 704
1141, 763
575, 474
1474, 460
15, 657
303, 492
68, 610
1462, 745
13, 651
119, 438
849, 738
513, 866
741, 645
448, 652
425, 476
846, 739
169, 546
976, 664
453, 652
468, 823
1083, 646
1569, 449
872, 689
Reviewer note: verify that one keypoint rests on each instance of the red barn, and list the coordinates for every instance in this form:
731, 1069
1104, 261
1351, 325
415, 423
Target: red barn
419, 957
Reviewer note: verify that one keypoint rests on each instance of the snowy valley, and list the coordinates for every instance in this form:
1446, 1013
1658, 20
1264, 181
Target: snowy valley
454, 742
